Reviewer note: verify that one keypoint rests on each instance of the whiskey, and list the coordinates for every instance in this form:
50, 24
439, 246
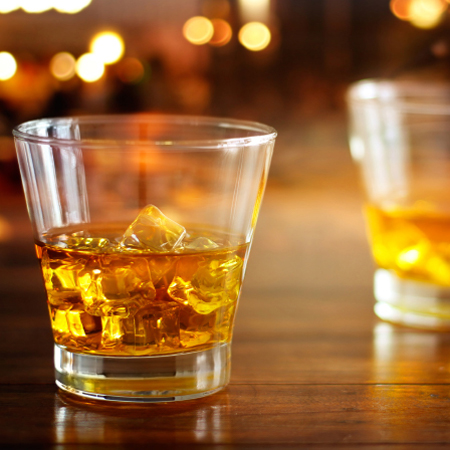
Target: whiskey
107, 298
413, 244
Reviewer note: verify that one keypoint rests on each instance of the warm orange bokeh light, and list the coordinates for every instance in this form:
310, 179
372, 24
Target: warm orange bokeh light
40, 6
426, 13
7, 6
36, 6
255, 36
400, 9
89, 67
421, 13
108, 46
70, 6
222, 33
8, 66
198, 30
255, 10
62, 66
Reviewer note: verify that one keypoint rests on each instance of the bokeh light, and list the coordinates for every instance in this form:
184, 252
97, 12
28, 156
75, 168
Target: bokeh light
107, 46
131, 70
70, 6
400, 9
62, 66
36, 6
6, 6
39, 6
198, 30
254, 10
426, 13
255, 36
89, 67
421, 13
222, 33
8, 66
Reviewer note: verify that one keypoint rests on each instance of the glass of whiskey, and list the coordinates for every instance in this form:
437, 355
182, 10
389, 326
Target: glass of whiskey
143, 226
400, 138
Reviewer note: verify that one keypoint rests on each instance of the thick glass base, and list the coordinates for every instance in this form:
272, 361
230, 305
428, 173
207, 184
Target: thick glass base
168, 378
411, 303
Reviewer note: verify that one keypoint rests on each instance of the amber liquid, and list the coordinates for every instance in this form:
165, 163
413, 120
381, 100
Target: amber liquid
104, 299
415, 245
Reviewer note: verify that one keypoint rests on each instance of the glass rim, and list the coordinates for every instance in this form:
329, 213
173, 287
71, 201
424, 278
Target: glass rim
408, 96
265, 132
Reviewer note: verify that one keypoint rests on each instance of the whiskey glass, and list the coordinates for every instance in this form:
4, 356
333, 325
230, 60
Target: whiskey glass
143, 226
400, 138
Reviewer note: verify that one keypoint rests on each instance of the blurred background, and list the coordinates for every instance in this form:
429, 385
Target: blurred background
286, 63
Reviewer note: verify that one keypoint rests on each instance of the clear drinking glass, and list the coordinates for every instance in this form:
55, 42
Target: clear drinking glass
400, 137
143, 226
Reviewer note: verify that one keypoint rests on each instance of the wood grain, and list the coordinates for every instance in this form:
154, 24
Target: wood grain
312, 366
245, 414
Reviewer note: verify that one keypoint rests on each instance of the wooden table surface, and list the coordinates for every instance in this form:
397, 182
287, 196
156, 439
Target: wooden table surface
312, 366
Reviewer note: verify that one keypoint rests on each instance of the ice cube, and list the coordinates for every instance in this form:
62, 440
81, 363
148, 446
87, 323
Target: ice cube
81, 323
438, 269
189, 339
73, 321
116, 285
224, 322
216, 283
153, 231
58, 317
154, 326
201, 243
196, 329
61, 279
112, 331
162, 269
87, 243
191, 320
64, 297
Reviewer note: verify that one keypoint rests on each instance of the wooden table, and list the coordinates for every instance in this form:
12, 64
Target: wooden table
312, 366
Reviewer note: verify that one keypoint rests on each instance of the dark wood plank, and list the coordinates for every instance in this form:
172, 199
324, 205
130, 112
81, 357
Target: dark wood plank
312, 366
243, 414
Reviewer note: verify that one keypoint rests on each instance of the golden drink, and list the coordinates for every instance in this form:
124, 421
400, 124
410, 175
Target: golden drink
107, 299
413, 244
